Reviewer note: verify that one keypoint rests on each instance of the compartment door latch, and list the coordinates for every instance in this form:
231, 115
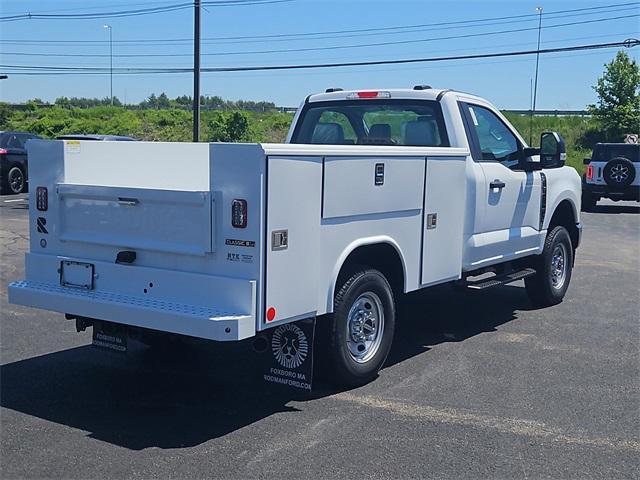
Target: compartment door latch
432, 220
279, 239
379, 174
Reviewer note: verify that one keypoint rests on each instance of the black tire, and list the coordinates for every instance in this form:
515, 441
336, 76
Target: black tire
588, 201
619, 172
339, 349
544, 288
14, 181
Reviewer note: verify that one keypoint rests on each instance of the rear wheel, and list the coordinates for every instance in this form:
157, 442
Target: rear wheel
14, 181
358, 335
553, 270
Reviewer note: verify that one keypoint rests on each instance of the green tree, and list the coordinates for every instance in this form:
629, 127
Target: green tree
229, 127
618, 108
163, 101
5, 115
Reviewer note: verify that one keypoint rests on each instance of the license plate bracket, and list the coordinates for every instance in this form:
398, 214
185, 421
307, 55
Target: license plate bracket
77, 274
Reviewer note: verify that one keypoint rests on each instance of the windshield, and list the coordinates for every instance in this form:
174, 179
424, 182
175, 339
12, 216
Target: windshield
372, 122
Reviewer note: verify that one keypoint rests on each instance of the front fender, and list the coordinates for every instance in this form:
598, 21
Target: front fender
562, 184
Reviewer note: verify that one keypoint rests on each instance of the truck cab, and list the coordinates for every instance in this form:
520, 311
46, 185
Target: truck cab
375, 193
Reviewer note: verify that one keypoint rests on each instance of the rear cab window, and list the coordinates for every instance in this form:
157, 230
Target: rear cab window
372, 122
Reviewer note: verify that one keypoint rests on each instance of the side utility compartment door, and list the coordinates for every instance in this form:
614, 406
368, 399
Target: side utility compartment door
294, 193
507, 222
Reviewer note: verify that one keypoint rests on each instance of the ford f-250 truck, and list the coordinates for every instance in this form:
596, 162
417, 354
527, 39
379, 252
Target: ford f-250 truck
374, 194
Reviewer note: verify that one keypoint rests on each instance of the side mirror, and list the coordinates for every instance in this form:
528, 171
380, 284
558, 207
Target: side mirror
552, 150
526, 163
586, 161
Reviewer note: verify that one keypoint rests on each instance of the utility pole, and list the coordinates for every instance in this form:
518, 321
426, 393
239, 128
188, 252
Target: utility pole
535, 86
196, 71
110, 62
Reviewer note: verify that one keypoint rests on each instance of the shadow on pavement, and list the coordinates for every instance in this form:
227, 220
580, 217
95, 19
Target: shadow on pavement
190, 395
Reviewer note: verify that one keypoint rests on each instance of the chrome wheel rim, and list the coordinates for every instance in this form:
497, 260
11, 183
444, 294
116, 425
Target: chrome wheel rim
619, 173
16, 180
365, 325
559, 266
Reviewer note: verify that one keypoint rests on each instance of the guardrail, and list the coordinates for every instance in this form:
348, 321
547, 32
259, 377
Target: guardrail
556, 113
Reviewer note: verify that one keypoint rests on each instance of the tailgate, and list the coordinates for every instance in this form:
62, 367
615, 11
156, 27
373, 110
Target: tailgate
136, 218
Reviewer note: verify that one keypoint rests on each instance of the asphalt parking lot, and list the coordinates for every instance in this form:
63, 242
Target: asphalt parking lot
479, 385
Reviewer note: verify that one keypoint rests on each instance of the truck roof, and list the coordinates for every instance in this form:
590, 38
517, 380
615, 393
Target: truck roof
422, 93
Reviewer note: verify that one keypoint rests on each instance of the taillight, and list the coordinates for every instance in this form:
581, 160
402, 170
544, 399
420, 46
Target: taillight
3, 151
365, 95
239, 213
42, 199
589, 172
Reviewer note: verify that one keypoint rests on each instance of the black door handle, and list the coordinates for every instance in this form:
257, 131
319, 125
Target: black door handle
497, 184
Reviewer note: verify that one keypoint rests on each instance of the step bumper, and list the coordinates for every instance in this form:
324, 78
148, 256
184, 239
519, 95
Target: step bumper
193, 320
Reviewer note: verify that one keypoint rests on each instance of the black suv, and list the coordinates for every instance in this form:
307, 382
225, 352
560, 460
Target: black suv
13, 162
612, 172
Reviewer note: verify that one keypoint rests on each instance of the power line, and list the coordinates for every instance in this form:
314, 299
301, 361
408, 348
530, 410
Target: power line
135, 12
152, 55
610, 37
28, 70
379, 30
95, 7
365, 45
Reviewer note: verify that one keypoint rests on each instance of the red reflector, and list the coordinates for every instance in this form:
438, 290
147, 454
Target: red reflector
42, 199
3, 151
589, 172
271, 314
367, 94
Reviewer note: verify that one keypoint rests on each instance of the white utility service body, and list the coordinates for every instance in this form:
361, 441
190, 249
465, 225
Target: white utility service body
308, 208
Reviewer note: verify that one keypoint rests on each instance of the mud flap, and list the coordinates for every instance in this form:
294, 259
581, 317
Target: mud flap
289, 355
110, 336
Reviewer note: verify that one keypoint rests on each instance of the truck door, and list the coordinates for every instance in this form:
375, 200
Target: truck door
507, 225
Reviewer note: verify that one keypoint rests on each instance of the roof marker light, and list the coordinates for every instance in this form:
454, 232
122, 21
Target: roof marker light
366, 95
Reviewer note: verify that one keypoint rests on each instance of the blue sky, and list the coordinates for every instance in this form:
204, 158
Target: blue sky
564, 83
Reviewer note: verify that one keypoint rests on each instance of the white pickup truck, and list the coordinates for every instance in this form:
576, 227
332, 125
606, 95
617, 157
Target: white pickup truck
374, 194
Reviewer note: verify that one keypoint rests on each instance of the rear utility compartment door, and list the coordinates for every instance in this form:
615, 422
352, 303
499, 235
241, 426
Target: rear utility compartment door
136, 218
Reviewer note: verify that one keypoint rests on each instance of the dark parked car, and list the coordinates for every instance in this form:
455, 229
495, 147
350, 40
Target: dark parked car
14, 170
112, 138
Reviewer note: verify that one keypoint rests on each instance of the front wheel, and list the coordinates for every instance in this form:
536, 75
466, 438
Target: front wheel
553, 270
359, 333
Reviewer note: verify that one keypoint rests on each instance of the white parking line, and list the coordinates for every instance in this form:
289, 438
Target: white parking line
516, 426
16, 200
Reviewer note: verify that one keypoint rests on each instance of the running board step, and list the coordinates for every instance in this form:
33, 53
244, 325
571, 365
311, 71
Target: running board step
500, 279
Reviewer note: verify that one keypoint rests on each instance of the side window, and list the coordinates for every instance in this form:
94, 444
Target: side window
496, 141
23, 137
14, 142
